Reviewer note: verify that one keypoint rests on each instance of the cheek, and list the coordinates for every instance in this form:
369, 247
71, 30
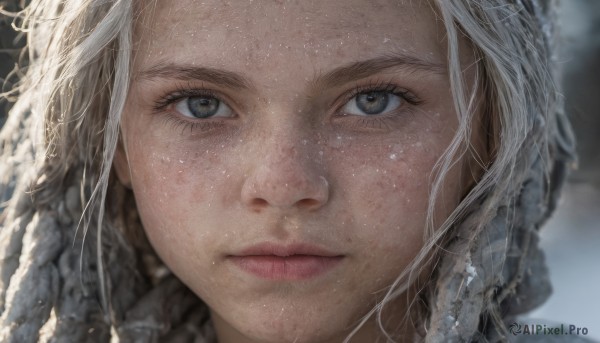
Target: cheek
386, 191
383, 196
176, 187
169, 172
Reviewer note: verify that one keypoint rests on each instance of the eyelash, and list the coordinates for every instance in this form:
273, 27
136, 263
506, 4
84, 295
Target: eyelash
380, 121
180, 93
384, 87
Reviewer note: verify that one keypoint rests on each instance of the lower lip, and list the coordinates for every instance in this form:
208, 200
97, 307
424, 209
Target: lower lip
295, 267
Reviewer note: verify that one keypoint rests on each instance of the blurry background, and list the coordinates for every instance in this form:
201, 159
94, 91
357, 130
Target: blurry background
10, 44
571, 239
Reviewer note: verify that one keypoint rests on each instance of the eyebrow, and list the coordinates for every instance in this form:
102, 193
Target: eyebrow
188, 72
339, 76
361, 69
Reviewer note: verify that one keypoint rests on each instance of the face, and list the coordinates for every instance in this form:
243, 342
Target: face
280, 154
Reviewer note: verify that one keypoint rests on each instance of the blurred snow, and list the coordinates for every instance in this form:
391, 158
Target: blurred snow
579, 56
571, 241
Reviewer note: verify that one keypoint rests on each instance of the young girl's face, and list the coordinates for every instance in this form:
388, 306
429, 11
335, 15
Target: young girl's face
280, 153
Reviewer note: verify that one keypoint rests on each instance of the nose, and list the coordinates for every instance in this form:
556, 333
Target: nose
285, 176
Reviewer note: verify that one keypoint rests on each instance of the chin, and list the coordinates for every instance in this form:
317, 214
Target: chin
296, 335
296, 328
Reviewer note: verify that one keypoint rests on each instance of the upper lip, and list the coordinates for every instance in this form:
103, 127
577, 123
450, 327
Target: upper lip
284, 250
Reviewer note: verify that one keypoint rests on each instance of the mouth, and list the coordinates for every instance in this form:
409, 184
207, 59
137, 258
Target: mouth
286, 262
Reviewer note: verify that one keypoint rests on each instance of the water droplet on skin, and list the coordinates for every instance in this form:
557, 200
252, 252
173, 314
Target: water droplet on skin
393, 157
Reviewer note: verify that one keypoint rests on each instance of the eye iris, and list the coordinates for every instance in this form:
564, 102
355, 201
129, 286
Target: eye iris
203, 107
372, 102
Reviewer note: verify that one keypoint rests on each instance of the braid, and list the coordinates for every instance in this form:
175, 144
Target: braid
48, 280
493, 269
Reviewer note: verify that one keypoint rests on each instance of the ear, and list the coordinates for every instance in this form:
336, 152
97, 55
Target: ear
121, 165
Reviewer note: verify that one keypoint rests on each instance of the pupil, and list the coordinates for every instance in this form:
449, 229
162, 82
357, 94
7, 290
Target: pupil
372, 102
203, 107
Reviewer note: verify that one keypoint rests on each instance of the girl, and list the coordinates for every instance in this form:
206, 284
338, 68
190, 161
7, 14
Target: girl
283, 171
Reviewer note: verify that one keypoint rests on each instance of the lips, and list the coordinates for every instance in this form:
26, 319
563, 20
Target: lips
285, 262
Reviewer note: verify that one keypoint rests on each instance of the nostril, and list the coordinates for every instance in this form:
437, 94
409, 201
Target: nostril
258, 202
308, 203
303, 203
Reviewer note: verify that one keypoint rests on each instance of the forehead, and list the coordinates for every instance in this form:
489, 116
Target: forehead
215, 32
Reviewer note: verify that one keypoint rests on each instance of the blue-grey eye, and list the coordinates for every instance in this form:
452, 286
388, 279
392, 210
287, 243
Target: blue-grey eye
372, 103
203, 107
